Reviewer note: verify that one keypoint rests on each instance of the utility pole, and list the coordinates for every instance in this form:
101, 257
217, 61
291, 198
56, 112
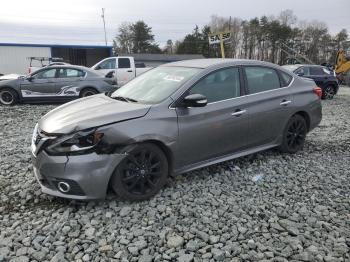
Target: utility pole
104, 24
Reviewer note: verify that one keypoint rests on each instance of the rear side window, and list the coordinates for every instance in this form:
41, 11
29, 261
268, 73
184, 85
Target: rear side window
68, 72
123, 63
314, 71
260, 79
219, 85
286, 78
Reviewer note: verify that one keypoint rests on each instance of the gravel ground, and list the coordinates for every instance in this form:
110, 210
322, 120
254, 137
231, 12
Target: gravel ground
269, 206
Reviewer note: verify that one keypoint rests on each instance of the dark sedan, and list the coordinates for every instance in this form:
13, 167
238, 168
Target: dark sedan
322, 76
55, 84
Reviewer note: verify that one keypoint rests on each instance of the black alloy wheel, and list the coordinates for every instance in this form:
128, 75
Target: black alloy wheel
141, 174
328, 92
294, 135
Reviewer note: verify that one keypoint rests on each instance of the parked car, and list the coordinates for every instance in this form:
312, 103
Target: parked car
124, 68
172, 119
54, 84
323, 77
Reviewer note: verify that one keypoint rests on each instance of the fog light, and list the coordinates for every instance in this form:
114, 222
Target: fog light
63, 187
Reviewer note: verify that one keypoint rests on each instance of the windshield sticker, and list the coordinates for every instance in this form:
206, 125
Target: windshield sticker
173, 78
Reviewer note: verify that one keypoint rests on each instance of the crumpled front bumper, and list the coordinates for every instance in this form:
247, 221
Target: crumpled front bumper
88, 174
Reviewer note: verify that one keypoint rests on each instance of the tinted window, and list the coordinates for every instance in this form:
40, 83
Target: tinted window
220, 85
123, 63
286, 79
108, 64
303, 71
261, 79
45, 74
68, 72
314, 71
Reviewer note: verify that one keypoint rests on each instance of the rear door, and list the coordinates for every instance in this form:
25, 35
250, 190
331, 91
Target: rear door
320, 77
220, 127
40, 85
125, 71
67, 81
269, 104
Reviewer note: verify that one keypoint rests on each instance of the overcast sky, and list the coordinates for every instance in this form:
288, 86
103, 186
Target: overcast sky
79, 21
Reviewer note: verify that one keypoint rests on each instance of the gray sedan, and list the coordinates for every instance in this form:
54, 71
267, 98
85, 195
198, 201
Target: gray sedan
55, 84
173, 119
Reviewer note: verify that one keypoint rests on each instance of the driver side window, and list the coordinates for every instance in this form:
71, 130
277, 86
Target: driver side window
108, 64
219, 85
50, 73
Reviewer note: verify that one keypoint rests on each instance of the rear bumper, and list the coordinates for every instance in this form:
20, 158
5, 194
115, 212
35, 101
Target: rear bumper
87, 175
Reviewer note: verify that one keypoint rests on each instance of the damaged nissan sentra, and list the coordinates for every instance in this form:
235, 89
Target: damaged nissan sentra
175, 118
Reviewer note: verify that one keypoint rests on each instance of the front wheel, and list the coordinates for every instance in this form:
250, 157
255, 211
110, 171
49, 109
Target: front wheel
8, 97
141, 174
294, 135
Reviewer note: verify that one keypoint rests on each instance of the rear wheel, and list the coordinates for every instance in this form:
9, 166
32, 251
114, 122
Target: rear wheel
294, 135
8, 96
328, 92
88, 92
141, 174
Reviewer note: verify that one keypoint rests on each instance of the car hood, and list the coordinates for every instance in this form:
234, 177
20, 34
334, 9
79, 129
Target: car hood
89, 112
9, 82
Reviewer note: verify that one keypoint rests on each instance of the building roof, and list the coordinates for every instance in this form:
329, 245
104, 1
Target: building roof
162, 57
55, 45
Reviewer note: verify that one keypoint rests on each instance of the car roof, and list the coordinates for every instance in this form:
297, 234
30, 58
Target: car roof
210, 62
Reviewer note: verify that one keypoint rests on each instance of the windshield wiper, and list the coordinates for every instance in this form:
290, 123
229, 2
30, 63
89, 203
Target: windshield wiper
125, 99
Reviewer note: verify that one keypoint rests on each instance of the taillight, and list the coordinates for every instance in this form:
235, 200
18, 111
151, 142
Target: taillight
318, 91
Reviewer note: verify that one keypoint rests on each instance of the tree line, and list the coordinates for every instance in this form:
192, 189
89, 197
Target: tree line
278, 39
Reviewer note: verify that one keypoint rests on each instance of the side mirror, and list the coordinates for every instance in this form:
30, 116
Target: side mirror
30, 78
300, 73
98, 67
110, 74
195, 100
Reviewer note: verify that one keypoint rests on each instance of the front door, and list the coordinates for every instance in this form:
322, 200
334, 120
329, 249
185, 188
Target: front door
40, 85
219, 128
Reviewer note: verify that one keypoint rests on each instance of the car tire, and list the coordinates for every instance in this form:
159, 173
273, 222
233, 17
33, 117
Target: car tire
8, 97
88, 92
328, 92
141, 174
294, 135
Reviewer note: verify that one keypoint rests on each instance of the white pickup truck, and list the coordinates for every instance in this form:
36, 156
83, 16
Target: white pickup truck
124, 68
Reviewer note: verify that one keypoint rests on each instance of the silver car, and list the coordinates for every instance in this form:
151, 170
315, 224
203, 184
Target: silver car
55, 83
173, 119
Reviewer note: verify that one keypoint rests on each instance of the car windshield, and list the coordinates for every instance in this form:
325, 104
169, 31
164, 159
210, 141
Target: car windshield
155, 85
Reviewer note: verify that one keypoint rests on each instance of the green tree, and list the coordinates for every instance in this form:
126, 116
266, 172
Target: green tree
142, 38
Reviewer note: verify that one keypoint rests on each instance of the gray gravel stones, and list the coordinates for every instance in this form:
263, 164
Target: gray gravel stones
297, 211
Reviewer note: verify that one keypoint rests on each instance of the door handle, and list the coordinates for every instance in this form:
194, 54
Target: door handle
130, 71
238, 112
285, 102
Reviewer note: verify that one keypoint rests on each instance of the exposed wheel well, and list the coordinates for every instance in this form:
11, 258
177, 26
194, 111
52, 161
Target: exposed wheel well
306, 117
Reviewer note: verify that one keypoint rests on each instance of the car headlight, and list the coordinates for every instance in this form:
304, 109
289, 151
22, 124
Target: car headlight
77, 143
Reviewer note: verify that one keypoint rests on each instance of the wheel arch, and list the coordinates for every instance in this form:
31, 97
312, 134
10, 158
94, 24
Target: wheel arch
87, 87
306, 116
